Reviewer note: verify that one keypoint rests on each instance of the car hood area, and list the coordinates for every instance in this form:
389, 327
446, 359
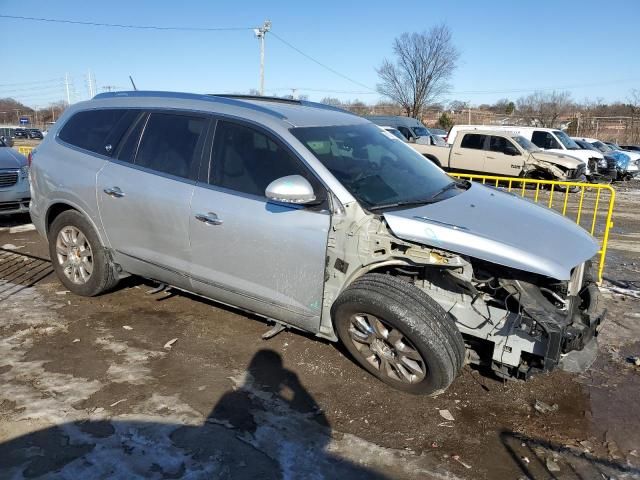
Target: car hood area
566, 161
497, 227
9, 158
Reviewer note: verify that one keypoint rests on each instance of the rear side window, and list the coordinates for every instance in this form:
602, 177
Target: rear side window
544, 140
170, 144
473, 141
91, 129
246, 160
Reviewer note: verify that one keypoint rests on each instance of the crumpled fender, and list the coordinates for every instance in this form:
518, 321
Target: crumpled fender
533, 164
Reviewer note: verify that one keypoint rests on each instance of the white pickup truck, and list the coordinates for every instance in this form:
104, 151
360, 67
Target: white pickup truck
502, 153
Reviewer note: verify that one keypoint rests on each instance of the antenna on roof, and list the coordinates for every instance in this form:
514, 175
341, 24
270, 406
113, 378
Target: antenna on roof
133, 84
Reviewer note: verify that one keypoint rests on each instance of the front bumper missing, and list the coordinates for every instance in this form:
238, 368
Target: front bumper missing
568, 337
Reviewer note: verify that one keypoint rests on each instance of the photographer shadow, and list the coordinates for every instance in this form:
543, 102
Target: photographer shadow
269, 426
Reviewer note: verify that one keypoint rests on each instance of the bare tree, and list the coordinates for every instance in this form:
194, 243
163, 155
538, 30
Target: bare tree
545, 109
421, 69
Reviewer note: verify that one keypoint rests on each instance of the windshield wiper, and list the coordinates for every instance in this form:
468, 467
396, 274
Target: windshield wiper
460, 184
431, 199
405, 203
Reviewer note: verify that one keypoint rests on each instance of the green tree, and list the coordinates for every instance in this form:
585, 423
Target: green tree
509, 108
445, 122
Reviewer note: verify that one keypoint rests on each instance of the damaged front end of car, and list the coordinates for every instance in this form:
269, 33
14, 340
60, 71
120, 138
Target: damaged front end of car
523, 303
545, 323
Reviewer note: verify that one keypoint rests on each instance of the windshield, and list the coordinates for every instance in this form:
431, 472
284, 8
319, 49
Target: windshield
420, 131
373, 166
396, 133
586, 145
566, 140
526, 144
438, 141
602, 147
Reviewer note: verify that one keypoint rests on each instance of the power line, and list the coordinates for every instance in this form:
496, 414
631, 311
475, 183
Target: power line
12, 91
543, 89
39, 82
121, 25
309, 57
322, 90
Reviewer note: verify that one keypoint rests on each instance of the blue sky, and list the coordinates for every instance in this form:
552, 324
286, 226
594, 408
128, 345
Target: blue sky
508, 48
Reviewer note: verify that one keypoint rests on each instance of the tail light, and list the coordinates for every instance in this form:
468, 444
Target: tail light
29, 159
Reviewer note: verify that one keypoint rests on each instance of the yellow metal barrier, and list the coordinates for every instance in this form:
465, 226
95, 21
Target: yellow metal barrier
25, 150
577, 197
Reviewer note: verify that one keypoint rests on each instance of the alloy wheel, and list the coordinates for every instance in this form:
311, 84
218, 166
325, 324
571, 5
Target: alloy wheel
386, 349
74, 255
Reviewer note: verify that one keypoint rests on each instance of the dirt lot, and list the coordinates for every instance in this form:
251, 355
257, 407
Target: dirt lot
90, 391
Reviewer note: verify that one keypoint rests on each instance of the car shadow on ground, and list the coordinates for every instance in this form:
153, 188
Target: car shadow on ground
267, 427
19, 271
543, 459
9, 221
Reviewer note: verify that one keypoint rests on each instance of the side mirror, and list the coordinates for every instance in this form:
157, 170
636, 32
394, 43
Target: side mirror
412, 139
511, 150
290, 189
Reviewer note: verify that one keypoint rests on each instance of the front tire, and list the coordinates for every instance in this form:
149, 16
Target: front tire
79, 259
399, 334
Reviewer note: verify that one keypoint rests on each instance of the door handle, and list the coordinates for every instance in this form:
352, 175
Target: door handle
209, 218
114, 192
492, 158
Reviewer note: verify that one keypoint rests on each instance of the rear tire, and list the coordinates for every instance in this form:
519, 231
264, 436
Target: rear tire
399, 334
79, 259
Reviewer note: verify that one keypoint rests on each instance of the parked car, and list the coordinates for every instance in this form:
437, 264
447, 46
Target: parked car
14, 180
34, 133
412, 129
632, 154
6, 141
439, 132
634, 148
20, 133
627, 165
550, 139
502, 153
395, 132
606, 169
316, 219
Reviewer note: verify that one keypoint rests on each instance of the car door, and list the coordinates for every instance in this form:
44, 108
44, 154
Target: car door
470, 156
248, 251
144, 194
498, 162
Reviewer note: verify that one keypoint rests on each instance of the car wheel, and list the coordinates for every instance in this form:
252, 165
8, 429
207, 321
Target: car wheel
78, 258
399, 334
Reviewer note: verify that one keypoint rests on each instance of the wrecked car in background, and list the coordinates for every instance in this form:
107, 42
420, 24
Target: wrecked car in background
627, 162
502, 153
316, 219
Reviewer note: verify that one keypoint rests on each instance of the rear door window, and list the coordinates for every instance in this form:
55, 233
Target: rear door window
499, 144
129, 145
473, 141
171, 144
544, 140
93, 130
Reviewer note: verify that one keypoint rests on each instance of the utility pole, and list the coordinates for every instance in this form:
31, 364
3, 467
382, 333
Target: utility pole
66, 86
260, 33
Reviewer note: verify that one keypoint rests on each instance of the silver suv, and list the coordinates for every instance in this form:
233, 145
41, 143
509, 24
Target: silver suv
319, 220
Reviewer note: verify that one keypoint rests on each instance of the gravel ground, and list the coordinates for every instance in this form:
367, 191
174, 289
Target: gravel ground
89, 390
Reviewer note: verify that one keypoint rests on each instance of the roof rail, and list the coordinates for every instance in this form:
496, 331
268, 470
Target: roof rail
293, 101
227, 100
262, 98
